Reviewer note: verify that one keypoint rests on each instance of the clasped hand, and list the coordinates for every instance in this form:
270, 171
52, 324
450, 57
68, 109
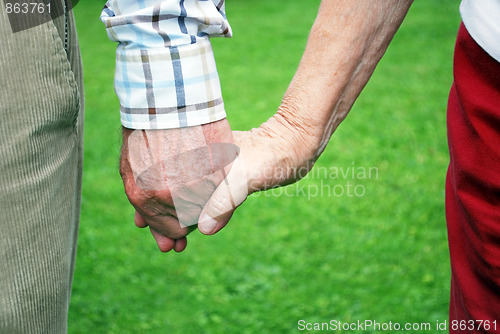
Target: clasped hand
178, 179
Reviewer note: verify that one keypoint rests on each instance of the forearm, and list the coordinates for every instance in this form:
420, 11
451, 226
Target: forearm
345, 44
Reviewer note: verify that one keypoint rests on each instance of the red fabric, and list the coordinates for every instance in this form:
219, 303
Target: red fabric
473, 189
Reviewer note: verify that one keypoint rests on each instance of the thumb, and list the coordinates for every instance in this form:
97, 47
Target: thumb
230, 193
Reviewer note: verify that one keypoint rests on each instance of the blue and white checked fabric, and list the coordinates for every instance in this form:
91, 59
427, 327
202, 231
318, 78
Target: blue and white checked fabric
166, 75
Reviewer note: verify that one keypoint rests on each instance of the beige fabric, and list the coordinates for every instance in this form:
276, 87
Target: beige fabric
41, 118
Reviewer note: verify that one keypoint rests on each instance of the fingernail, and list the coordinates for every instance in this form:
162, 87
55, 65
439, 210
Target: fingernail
207, 224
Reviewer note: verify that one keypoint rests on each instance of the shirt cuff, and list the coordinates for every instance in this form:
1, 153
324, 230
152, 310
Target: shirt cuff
168, 87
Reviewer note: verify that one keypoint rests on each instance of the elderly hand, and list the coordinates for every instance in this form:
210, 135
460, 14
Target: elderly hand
272, 155
170, 174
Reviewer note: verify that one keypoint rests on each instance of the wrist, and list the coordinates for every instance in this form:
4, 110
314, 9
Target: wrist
292, 144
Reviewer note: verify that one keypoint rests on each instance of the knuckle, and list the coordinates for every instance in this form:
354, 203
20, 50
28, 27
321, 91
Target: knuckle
135, 196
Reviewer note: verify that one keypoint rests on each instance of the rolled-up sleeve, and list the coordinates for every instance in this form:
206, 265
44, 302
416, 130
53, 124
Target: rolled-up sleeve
165, 74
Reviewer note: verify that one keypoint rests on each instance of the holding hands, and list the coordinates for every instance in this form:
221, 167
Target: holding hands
178, 178
170, 174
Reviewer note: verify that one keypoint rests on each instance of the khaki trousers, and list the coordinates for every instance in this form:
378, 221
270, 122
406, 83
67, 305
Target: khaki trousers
41, 118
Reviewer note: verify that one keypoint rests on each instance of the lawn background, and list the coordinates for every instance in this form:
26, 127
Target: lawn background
289, 254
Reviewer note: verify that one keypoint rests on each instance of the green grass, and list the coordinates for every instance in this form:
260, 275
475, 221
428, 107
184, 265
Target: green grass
289, 254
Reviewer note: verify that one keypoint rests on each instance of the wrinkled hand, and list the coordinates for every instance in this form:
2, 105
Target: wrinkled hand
273, 155
170, 174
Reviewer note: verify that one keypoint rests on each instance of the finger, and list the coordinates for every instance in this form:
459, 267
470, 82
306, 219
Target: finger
139, 221
165, 244
212, 225
230, 193
180, 244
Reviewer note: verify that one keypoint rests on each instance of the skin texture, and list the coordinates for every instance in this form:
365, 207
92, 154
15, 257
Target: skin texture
167, 182
346, 42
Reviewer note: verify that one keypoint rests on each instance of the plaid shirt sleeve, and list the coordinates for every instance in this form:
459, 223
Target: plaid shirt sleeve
165, 68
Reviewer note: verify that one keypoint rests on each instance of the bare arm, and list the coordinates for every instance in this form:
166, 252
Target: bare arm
345, 44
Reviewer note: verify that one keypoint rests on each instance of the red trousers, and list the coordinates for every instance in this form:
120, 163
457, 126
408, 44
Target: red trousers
473, 189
